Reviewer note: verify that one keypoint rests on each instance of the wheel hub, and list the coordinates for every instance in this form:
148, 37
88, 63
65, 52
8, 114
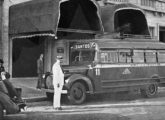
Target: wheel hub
152, 89
77, 93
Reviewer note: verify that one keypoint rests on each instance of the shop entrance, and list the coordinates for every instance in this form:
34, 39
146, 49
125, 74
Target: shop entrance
162, 34
25, 53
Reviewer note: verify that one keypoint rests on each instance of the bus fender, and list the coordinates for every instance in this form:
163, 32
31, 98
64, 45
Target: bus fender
156, 78
78, 77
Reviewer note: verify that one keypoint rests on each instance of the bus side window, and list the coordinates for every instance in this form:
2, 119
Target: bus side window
103, 57
109, 56
138, 56
125, 56
150, 56
161, 56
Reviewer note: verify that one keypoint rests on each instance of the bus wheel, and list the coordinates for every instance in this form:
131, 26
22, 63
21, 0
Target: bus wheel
150, 90
77, 93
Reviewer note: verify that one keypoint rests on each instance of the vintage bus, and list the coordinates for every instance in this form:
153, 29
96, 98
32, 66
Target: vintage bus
105, 66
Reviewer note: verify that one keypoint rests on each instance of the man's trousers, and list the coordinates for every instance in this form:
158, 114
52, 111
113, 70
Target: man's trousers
57, 97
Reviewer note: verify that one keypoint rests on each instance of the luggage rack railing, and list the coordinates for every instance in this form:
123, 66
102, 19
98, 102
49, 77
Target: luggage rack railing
137, 36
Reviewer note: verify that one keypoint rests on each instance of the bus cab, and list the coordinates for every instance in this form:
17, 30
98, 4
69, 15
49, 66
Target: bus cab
105, 66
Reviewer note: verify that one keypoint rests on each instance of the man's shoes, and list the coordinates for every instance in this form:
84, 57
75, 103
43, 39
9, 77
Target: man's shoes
58, 108
38, 88
22, 106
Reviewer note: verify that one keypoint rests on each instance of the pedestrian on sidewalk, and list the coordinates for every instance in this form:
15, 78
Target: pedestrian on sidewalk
40, 70
12, 91
6, 102
2, 69
58, 82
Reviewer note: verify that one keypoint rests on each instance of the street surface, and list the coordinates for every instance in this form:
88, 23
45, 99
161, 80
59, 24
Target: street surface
120, 106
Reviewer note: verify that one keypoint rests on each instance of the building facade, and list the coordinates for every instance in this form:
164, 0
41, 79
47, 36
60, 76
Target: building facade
5, 44
1, 28
154, 11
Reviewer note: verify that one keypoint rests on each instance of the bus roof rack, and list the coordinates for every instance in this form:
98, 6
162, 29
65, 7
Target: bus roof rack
126, 36
137, 36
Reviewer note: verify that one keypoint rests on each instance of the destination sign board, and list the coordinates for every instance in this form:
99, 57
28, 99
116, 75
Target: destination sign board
84, 45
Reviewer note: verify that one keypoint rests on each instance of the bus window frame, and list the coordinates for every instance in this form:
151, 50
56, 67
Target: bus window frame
133, 58
132, 53
80, 52
108, 52
150, 51
117, 50
126, 51
158, 58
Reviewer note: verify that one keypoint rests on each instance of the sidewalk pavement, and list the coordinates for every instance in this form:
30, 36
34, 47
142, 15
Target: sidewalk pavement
29, 91
119, 111
31, 94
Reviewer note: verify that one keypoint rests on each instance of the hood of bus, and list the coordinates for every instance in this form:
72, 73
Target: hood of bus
75, 70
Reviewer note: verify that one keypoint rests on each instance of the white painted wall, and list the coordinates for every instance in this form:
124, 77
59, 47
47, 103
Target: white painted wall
6, 46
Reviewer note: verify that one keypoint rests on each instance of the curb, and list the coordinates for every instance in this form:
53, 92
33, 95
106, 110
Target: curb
35, 99
82, 108
131, 104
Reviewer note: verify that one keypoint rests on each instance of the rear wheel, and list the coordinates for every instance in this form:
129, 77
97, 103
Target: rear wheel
150, 90
77, 93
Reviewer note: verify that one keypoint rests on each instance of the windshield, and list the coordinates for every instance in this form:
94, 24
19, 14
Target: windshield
82, 57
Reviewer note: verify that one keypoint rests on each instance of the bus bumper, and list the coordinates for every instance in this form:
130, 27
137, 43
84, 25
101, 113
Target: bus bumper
52, 91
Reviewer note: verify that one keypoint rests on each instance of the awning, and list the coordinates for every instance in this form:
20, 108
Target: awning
43, 17
115, 16
37, 16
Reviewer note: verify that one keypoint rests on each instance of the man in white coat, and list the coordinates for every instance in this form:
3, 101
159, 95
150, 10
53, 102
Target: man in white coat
58, 82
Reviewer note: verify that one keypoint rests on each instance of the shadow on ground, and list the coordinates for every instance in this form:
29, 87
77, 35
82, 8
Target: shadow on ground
54, 116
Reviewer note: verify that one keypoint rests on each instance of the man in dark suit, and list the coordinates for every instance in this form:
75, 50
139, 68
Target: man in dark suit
6, 102
10, 100
40, 70
2, 69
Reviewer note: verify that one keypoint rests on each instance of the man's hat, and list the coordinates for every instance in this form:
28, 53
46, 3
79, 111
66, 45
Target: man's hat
59, 57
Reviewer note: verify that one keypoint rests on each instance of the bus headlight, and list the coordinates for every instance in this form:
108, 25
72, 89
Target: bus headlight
43, 76
66, 81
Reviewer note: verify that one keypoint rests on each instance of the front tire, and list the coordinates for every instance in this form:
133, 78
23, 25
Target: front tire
77, 93
150, 90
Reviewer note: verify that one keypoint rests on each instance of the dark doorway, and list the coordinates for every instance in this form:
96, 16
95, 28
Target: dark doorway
162, 34
79, 14
25, 53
